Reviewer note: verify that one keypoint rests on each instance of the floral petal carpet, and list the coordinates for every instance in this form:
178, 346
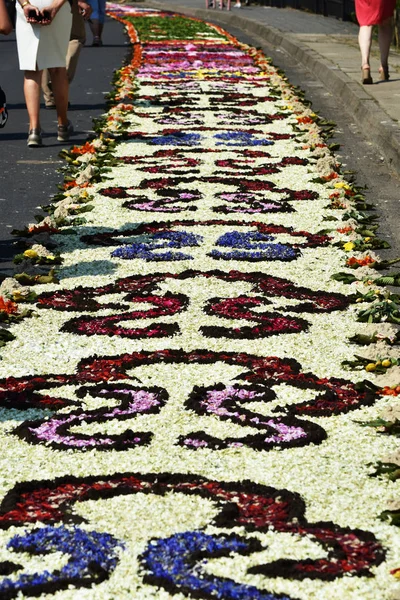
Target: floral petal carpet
185, 407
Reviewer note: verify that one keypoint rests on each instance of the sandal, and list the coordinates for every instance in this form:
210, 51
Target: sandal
384, 74
366, 78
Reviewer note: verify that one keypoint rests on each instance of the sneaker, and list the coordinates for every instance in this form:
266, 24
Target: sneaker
35, 138
3, 109
64, 132
97, 42
237, 5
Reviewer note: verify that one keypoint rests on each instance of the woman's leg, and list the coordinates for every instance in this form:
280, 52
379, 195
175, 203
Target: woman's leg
59, 81
32, 87
365, 41
385, 36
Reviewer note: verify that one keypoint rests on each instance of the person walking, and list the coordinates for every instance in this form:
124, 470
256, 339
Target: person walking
81, 11
97, 19
6, 27
43, 32
369, 13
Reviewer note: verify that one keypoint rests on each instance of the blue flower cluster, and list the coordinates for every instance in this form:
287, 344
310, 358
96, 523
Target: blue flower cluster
240, 138
177, 139
147, 250
92, 558
253, 246
175, 564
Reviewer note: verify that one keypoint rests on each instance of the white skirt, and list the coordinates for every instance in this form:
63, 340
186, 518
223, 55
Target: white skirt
43, 47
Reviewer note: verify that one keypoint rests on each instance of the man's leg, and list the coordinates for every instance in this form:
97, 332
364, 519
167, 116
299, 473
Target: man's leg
77, 40
47, 90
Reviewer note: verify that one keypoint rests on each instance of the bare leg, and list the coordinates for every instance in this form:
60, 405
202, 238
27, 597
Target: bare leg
60, 90
32, 87
385, 36
365, 41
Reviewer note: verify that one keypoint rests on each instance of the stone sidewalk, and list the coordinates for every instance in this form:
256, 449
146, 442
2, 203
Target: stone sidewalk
328, 47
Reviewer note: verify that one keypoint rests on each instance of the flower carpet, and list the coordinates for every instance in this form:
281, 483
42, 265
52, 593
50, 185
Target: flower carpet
186, 408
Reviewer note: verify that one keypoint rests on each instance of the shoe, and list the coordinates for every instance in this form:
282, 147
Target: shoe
366, 78
35, 138
384, 74
3, 109
237, 5
64, 132
97, 42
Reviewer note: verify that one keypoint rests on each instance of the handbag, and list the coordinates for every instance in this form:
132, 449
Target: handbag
6, 25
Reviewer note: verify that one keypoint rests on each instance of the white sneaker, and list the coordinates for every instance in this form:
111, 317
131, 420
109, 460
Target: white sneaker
237, 5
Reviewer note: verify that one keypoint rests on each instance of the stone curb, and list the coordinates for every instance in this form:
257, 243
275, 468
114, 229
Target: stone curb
376, 125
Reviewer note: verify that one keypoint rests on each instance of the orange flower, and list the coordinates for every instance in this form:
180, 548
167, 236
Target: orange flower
72, 184
361, 262
8, 306
69, 185
388, 391
344, 229
39, 228
331, 176
305, 120
336, 203
85, 149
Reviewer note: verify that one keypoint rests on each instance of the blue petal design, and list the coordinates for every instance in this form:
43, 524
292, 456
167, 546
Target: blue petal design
157, 241
175, 563
254, 246
93, 557
240, 138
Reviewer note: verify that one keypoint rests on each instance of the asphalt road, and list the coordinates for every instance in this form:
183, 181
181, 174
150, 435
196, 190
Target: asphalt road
29, 176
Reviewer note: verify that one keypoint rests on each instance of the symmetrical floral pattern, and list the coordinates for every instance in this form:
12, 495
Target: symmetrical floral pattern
176, 418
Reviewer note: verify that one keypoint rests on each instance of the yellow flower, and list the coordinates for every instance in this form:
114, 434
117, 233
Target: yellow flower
341, 185
30, 253
348, 246
395, 573
17, 296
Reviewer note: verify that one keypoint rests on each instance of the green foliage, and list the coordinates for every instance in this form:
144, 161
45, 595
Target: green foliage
177, 27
